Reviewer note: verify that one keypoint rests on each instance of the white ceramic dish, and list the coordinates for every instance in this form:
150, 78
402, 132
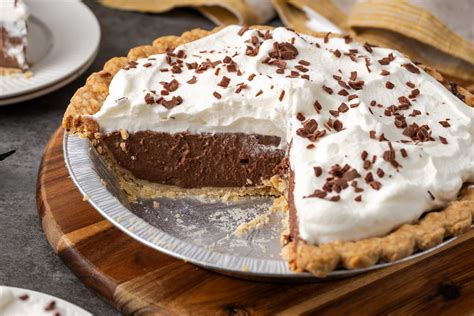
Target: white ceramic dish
63, 37
11, 305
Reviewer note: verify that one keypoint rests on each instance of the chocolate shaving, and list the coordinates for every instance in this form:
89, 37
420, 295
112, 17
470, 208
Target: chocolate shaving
343, 92
51, 306
327, 89
301, 68
338, 126
317, 106
300, 117
445, 124
317, 171
326, 37
390, 156
285, 51
334, 113
389, 85
169, 104
353, 75
375, 185
411, 68
356, 85
193, 80
343, 108
304, 63
347, 39
380, 173
24, 297
282, 95
244, 29
404, 153
240, 87
387, 60
149, 98
224, 82
231, 68
410, 84
368, 47
431, 195
317, 194
171, 86
217, 95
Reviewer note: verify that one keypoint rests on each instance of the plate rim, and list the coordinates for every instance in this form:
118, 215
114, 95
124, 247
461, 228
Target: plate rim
85, 14
130, 229
49, 88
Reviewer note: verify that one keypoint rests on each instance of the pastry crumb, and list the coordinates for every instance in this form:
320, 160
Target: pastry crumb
279, 204
256, 223
124, 134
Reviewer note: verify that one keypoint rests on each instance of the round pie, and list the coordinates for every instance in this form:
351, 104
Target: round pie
371, 153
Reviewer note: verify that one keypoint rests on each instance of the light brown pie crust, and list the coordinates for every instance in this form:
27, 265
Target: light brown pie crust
430, 230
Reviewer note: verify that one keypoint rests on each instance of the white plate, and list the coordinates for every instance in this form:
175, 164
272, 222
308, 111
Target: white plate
63, 36
47, 89
39, 299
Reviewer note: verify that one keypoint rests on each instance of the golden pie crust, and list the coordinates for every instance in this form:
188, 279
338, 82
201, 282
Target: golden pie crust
430, 230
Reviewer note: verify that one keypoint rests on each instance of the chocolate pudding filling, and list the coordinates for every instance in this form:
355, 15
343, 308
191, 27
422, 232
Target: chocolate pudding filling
197, 160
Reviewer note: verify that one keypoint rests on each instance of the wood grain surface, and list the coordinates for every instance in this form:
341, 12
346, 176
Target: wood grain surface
140, 281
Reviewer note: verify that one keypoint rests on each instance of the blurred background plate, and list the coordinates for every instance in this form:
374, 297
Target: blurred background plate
63, 38
16, 307
197, 229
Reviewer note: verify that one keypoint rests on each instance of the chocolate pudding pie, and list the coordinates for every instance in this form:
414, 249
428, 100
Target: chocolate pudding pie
13, 32
371, 152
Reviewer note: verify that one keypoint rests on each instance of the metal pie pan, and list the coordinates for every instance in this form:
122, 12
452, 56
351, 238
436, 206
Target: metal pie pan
195, 229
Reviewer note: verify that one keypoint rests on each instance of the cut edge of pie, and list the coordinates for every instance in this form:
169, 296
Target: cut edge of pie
431, 229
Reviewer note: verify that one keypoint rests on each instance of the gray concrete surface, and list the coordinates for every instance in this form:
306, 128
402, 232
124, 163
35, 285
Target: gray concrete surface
26, 259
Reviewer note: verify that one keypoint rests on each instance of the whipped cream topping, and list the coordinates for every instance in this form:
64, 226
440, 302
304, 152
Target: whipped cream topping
13, 10
375, 141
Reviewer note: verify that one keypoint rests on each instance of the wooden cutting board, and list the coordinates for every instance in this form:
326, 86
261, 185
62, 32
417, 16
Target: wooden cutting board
141, 281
